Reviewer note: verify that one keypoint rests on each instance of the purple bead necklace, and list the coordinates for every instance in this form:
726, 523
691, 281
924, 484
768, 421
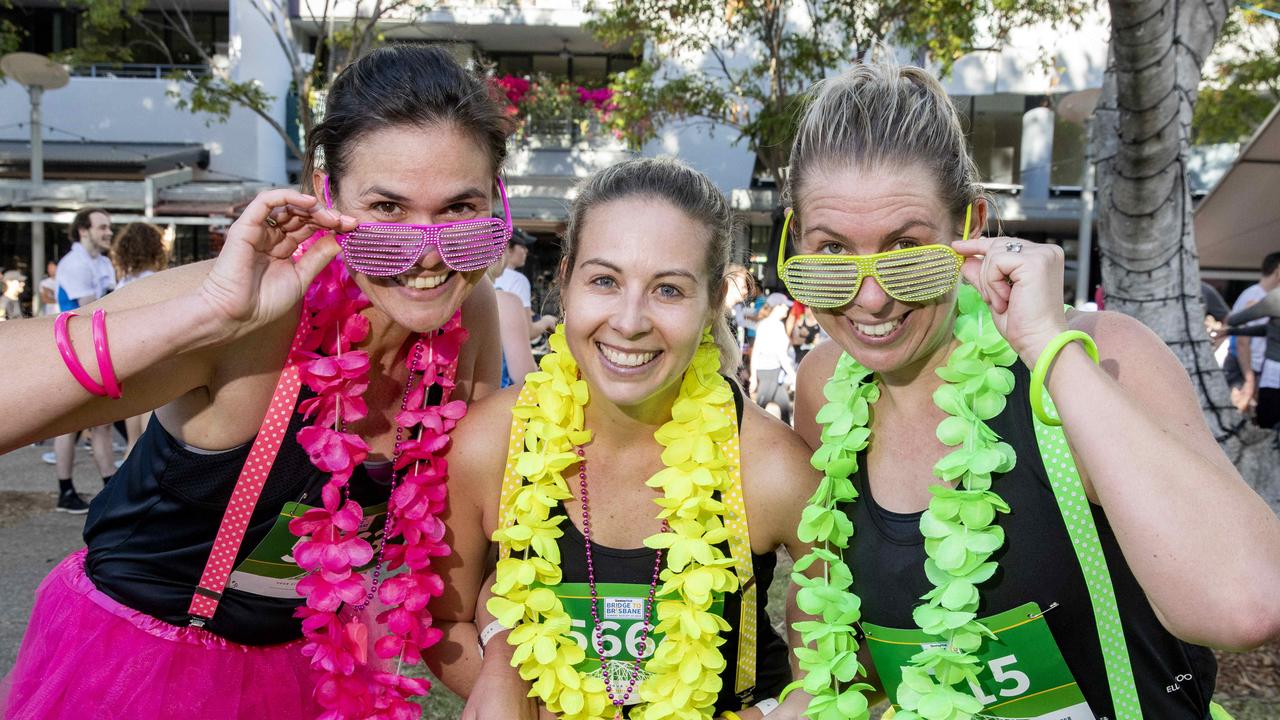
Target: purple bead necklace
395, 480
618, 699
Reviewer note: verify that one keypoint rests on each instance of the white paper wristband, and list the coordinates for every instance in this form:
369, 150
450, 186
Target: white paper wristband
488, 632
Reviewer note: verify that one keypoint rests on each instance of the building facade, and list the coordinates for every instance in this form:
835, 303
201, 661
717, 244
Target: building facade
115, 136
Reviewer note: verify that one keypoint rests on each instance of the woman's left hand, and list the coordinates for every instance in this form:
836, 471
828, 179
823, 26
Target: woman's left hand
1022, 283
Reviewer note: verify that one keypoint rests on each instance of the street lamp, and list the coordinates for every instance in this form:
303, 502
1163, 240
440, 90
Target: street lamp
1077, 107
38, 73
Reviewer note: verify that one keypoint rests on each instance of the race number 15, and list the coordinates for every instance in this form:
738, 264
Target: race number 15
1002, 671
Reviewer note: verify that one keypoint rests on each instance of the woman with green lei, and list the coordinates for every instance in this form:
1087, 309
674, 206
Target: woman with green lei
635, 499
985, 566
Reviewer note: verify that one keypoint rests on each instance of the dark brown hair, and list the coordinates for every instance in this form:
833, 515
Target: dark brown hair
81, 221
404, 84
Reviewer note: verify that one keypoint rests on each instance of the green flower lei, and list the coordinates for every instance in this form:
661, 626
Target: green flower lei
957, 527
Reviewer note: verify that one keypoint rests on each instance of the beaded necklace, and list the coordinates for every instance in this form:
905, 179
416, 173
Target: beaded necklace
330, 547
683, 672
619, 699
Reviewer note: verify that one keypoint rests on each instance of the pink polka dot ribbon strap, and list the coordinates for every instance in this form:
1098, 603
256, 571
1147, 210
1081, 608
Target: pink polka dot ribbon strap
204, 603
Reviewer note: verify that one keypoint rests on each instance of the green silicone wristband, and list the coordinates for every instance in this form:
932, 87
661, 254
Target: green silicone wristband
1042, 369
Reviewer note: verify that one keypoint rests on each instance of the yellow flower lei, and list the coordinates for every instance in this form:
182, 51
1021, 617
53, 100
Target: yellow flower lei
683, 674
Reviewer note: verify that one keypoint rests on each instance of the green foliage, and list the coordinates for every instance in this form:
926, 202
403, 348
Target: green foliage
102, 22
216, 96
762, 60
103, 25
1241, 83
10, 34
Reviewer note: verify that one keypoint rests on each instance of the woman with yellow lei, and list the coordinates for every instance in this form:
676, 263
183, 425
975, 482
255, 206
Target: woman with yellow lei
997, 570
636, 501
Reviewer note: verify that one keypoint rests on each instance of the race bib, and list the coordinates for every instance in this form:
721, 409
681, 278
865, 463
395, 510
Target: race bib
621, 631
1023, 674
270, 569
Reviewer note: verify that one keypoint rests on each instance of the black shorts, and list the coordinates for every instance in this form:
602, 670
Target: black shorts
1268, 407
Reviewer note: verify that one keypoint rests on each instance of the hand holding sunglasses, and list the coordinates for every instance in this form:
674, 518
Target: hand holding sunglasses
914, 274
385, 249
1022, 283
259, 275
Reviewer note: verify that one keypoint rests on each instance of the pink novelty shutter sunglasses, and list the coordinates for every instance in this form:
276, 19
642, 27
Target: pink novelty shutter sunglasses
385, 249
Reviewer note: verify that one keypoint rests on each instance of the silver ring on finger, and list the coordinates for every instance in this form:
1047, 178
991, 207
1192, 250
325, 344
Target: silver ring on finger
1013, 246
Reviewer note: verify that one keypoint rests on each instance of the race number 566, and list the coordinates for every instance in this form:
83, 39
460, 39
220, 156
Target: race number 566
610, 644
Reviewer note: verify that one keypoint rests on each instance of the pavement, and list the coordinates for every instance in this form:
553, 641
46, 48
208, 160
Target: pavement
33, 536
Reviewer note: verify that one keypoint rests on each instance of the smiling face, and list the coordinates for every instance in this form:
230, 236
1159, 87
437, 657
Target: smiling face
866, 211
422, 176
98, 234
636, 302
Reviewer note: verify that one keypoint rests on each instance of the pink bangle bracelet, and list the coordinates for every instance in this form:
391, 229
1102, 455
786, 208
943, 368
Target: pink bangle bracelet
63, 340
108, 372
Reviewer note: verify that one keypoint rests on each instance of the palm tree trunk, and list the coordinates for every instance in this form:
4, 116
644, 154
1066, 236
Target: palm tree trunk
1150, 268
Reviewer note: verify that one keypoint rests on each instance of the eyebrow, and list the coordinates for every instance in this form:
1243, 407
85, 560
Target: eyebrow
661, 273
908, 225
467, 194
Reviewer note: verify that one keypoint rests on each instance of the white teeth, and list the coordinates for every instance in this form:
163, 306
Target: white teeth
422, 283
879, 330
625, 359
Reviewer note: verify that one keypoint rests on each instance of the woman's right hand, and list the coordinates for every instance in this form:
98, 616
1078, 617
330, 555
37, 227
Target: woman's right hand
254, 281
502, 695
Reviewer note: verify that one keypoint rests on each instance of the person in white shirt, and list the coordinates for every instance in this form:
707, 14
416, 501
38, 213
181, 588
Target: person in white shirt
515, 282
84, 275
773, 371
1251, 352
49, 290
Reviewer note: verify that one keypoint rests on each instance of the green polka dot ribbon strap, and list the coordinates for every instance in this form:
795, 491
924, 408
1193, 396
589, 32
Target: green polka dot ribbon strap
1077, 516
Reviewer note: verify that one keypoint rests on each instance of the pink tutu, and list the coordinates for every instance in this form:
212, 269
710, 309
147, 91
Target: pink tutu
85, 655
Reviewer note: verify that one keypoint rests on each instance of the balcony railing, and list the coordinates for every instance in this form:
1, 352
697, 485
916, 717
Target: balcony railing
553, 111
565, 132
145, 71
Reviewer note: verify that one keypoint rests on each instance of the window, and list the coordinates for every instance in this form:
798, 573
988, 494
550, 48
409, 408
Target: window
993, 124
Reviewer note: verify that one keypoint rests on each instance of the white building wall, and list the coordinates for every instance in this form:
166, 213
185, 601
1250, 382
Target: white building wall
255, 54
712, 151
1034, 61
104, 109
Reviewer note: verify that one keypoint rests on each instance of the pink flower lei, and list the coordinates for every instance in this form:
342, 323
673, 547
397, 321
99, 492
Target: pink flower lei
330, 548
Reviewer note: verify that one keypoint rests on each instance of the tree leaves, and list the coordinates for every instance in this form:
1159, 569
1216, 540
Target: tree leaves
747, 65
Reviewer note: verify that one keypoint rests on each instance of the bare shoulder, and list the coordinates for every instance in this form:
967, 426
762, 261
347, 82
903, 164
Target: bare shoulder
1128, 350
508, 302
776, 475
1149, 373
478, 451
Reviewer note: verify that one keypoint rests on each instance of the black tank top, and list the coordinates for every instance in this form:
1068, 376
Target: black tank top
613, 565
1175, 680
151, 530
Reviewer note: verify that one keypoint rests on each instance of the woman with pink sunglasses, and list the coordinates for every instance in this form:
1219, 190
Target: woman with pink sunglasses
236, 567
